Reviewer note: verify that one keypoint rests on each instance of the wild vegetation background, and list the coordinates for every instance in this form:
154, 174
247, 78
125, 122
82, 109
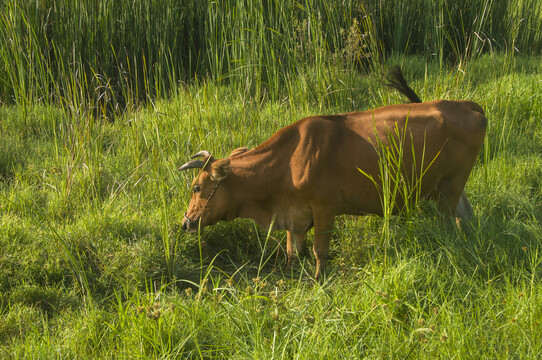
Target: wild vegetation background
103, 100
115, 53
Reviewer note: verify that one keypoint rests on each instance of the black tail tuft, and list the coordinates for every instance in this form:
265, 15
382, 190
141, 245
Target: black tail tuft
395, 79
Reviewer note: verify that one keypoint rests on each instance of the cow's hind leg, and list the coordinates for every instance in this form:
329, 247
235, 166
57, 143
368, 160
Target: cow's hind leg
294, 245
451, 198
463, 209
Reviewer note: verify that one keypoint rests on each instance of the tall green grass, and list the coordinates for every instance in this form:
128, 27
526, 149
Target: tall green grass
103, 57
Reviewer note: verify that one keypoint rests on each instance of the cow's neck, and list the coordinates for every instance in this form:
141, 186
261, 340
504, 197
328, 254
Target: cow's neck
257, 180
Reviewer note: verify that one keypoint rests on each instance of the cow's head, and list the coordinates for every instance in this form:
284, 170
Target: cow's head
210, 201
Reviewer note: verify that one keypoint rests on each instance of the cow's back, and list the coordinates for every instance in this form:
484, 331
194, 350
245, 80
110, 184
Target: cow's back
331, 150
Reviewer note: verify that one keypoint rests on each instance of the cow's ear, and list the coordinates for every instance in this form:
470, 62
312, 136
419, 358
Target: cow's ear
220, 169
239, 151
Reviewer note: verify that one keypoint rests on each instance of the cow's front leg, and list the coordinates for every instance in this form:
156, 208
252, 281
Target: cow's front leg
294, 245
323, 227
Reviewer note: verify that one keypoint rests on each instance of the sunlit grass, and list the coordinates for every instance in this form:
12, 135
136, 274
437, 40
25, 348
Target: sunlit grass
93, 263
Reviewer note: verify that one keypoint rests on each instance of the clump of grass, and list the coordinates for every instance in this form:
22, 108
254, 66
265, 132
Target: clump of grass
397, 190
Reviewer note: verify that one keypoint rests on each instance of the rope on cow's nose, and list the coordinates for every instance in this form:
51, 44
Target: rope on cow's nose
203, 208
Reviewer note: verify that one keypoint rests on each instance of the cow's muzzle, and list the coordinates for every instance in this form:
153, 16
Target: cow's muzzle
188, 224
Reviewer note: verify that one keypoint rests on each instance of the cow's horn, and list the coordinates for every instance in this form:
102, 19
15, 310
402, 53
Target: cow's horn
203, 153
196, 163
193, 165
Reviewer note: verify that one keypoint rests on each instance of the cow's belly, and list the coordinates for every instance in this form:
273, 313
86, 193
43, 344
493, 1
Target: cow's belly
295, 218
360, 206
366, 199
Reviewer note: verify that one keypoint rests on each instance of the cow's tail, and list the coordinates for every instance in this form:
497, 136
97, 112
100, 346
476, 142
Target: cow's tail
395, 79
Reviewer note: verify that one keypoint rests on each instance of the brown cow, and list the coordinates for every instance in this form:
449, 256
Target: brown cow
309, 172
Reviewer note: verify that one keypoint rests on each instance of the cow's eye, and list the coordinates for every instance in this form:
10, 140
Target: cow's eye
196, 189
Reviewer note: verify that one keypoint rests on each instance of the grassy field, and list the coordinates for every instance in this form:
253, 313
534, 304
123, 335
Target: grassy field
93, 263
95, 122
